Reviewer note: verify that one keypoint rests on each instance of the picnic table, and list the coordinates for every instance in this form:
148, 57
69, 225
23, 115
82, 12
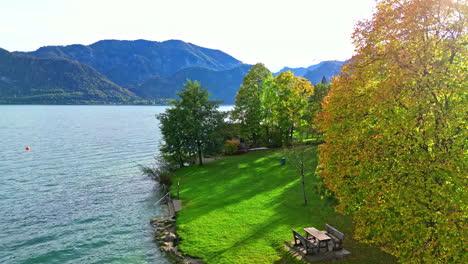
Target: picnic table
320, 236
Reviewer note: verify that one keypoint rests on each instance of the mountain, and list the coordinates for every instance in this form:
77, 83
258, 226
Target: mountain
25, 79
324, 68
117, 71
133, 62
297, 71
222, 85
300, 71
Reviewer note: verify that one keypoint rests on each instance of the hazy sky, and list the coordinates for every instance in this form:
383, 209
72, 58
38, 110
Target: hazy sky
276, 32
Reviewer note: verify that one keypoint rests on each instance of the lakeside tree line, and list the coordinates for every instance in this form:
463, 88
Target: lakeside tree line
393, 126
270, 111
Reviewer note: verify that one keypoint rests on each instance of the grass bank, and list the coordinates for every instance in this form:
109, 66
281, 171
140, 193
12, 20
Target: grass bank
241, 209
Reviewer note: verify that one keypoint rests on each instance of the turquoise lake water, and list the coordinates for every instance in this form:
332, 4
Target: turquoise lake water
77, 196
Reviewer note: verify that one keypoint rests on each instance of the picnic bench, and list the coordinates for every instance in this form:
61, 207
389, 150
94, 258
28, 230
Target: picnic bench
336, 236
321, 237
309, 246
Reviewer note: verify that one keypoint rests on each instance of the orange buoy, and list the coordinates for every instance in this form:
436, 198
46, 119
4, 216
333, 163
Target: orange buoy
28, 148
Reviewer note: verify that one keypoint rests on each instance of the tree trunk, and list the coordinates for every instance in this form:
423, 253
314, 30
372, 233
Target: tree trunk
181, 162
292, 132
200, 161
303, 184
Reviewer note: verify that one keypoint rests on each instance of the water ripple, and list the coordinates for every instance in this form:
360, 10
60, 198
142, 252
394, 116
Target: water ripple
77, 196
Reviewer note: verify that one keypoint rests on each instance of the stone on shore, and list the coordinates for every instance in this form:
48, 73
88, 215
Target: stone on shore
165, 236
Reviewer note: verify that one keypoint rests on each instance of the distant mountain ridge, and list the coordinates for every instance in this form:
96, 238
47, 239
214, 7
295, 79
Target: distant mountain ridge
124, 71
300, 71
223, 85
316, 72
325, 68
25, 79
128, 62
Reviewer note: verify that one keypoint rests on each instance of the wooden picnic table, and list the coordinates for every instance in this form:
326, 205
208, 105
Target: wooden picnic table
320, 236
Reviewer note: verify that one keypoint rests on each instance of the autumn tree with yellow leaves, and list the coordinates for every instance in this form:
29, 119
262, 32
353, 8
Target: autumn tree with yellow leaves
395, 123
269, 109
286, 105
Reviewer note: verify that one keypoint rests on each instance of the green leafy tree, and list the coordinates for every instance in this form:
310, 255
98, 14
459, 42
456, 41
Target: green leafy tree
176, 140
282, 109
315, 106
269, 102
190, 127
247, 110
395, 127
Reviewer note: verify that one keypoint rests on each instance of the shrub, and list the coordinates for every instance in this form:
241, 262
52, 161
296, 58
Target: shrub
231, 147
160, 171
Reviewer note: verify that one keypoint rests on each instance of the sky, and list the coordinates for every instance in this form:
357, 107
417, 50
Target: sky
278, 33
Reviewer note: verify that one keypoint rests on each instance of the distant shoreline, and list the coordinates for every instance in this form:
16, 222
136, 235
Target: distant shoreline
105, 104
94, 104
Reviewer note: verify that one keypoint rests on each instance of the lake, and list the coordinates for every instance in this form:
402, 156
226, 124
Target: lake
77, 195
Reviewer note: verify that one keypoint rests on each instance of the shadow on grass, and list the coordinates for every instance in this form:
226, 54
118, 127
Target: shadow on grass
287, 258
229, 182
252, 236
251, 201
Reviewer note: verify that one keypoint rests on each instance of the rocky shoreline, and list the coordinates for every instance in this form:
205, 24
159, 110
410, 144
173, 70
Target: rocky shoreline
166, 238
165, 234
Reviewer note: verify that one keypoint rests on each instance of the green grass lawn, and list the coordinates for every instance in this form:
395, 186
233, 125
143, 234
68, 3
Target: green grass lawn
241, 209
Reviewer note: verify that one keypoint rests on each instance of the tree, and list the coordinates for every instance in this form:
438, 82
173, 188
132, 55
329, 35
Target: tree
315, 106
395, 127
285, 100
176, 141
324, 80
190, 126
300, 106
270, 109
300, 156
269, 102
247, 110
283, 108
